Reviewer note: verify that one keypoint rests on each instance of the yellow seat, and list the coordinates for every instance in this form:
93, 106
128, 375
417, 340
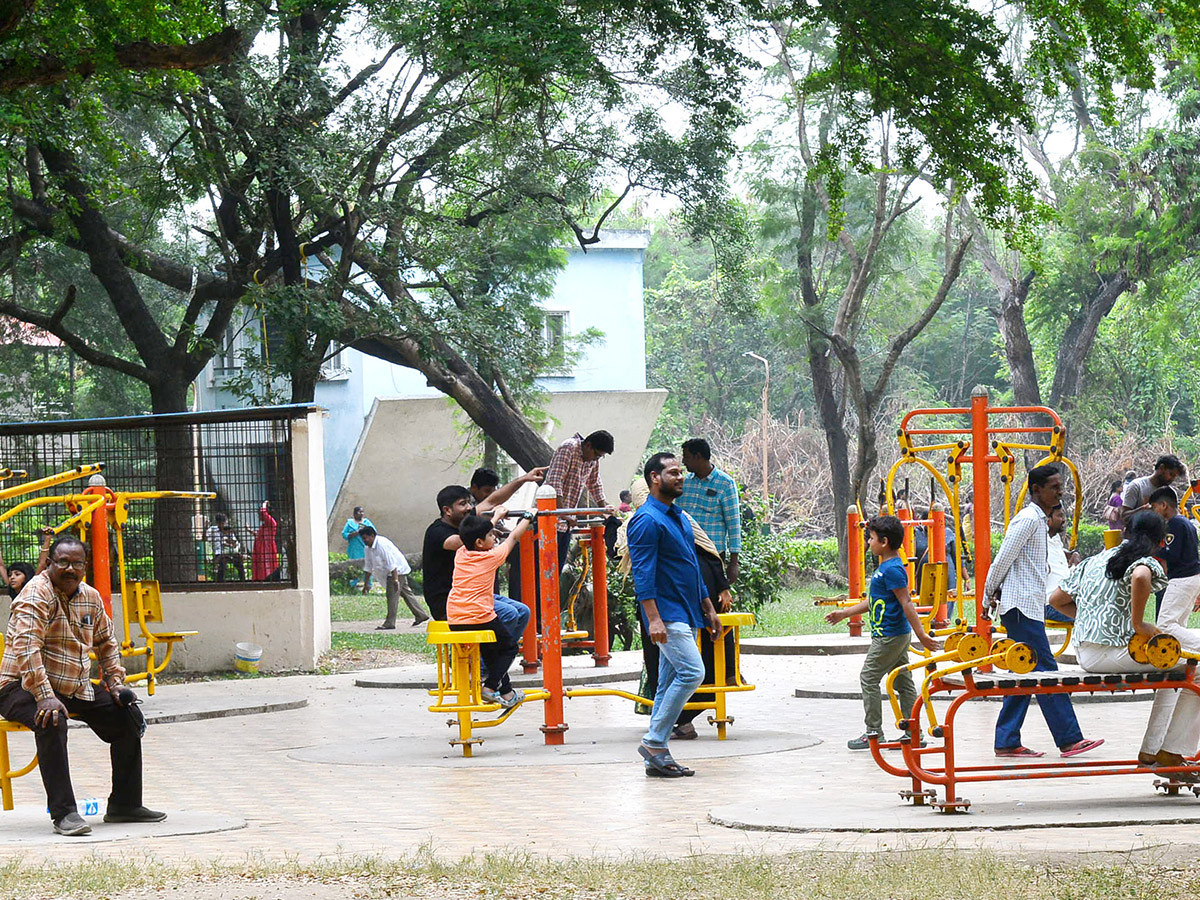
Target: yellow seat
142, 603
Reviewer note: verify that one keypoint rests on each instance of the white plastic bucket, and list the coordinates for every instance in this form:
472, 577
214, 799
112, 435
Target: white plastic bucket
247, 656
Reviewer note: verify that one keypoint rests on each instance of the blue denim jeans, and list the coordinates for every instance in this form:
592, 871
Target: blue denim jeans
513, 614
680, 672
1056, 708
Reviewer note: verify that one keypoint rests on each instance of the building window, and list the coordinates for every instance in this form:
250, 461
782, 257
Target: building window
555, 328
334, 366
229, 354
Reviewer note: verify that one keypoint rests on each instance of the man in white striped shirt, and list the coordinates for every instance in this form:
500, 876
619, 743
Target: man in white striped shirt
1016, 590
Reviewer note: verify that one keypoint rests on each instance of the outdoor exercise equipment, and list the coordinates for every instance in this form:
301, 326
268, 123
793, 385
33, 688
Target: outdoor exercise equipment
93, 512
981, 445
459, 684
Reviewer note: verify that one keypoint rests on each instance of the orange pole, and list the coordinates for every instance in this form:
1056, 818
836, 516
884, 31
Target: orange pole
982, 500
528, 566
599, 597
910, 564
855, 558
937, 554
101, 577
547, 501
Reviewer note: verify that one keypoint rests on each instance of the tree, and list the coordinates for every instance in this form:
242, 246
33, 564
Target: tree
45, 42
413, 176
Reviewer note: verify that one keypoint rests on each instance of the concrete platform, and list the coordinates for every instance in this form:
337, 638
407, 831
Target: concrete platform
30, 826
520, 744
833, 644
886, 815
624, 666
211, 700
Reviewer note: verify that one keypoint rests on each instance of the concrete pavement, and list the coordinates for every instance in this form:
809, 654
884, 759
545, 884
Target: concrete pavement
366, 771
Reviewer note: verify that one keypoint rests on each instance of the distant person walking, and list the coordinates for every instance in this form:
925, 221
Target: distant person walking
384, 560
355, 548
710, 496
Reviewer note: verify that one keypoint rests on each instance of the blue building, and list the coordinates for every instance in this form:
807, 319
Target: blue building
601, 289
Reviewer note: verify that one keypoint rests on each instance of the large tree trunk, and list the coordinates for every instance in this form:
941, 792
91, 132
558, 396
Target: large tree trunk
174, 470
1080, 337
455, 377
1018, 350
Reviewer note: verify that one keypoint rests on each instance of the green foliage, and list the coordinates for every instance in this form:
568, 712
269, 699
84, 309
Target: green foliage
1090, 539
819, 555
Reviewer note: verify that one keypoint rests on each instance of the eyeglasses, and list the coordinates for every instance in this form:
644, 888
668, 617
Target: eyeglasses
67, 564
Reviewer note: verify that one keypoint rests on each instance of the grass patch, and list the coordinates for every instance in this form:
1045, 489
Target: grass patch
794, 613
409, 643
356, 607
934, 871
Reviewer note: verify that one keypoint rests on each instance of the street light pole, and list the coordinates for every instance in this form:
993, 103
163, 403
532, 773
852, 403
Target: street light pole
765, 422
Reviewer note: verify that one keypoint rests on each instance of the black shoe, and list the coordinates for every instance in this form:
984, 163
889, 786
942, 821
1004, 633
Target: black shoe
72, 825
417, 623
385, 627
141, 814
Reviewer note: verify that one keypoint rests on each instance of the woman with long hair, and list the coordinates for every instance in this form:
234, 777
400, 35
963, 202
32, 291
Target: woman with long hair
1107, 595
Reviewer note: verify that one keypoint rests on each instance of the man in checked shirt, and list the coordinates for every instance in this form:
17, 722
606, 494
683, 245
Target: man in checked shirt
1016, 590
574, 468
44, 677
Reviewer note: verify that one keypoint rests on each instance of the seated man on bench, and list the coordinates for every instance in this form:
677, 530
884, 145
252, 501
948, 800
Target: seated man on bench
44, 677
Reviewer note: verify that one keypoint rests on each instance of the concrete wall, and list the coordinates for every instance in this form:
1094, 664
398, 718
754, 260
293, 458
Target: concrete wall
291, 624
411, 447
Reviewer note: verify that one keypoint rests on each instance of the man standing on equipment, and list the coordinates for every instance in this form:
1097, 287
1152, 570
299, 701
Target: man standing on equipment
574, 467
1016, 591
673, 603
44, 677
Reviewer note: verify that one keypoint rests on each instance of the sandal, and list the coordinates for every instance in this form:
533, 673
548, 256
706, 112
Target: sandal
1081, 746
685, 732
662, 765
1020, 752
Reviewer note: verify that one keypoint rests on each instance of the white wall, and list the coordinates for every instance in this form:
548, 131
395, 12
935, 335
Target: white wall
291, 624
411, 447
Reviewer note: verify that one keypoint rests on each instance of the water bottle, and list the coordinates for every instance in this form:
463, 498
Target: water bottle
89, 807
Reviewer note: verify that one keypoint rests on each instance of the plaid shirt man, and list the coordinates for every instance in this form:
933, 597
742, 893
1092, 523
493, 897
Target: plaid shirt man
713, 502
49, 636
570, 473
1018, 573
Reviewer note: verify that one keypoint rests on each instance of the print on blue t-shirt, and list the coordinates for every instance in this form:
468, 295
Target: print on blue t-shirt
886, 616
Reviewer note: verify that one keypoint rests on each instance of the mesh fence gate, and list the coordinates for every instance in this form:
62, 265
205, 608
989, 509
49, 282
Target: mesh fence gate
243, 456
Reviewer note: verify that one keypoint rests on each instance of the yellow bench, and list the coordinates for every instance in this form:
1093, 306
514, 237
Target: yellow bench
460, 682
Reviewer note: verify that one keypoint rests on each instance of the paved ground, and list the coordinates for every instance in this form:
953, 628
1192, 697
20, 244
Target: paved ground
360, 771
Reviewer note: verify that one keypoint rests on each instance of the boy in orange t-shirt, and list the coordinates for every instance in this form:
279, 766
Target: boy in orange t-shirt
471, 604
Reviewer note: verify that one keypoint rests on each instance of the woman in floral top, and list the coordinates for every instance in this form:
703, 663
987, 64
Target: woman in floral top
1107, 596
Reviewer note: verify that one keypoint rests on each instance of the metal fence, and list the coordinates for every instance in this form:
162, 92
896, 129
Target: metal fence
243, 456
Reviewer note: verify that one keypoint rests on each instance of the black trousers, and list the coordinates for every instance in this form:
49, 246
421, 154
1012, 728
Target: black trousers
496, 656
111, 723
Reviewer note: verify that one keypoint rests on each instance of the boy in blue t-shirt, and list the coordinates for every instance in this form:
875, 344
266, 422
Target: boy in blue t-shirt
893, 619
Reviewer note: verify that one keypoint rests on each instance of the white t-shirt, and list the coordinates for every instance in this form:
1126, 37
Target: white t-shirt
383, 557
1056, 561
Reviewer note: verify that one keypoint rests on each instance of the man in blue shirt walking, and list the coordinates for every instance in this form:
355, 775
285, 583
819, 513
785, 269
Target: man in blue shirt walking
673, 603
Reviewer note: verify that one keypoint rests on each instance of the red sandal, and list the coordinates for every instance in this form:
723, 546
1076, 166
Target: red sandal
1019, 752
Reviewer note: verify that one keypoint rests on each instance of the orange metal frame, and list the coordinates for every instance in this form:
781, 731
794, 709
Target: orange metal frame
949, 775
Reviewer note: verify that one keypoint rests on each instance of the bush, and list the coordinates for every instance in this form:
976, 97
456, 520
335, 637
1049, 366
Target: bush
1091, 539
762, 564
819, 555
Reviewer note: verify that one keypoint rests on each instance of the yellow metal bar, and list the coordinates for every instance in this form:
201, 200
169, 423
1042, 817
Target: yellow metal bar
51, 481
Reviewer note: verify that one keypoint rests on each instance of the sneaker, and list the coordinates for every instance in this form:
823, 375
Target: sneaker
516, 699
141, 814
862, 742
1081, 746
72, 825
